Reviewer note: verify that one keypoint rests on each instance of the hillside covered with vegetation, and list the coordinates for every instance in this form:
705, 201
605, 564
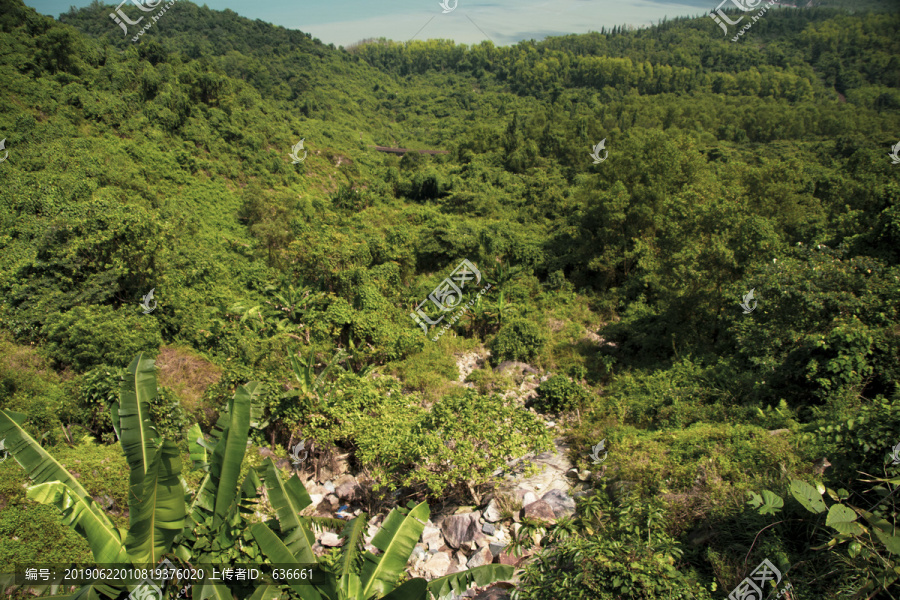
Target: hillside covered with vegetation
283, 289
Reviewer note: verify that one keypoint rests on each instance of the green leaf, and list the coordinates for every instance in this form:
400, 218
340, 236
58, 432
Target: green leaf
39, 466
288, 499
104, 540
225, 464
156, 506
278, 553
137, 435
396, 539
414, 589
843, 520
891, 542
768, 504
460, 582
808, 496
197, 447
352, 533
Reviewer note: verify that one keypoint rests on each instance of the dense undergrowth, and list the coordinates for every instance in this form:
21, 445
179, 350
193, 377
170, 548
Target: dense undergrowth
759, 165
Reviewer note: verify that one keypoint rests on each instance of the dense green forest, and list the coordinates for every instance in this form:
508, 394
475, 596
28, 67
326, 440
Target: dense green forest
283, 289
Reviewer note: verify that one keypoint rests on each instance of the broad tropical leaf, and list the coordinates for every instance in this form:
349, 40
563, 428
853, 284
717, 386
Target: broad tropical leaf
266, 592
207, 590
843, 519
396, 539
767, 504
104, 540
353, 535
808, 496
460, 582
197, 446
275, 550
414, 589
156, 504
136, 431
39, 466
97, 591
288, 499
225, 465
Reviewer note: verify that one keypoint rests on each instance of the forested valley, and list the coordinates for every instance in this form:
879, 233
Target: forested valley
629, 331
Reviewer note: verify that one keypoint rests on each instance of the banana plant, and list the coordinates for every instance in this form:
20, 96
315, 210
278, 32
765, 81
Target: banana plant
156, 501
360, 575
216, 523
160, 523
503, 309
305, 374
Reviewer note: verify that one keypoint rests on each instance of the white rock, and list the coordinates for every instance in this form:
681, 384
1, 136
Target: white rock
331, 539
492, 512
437, 565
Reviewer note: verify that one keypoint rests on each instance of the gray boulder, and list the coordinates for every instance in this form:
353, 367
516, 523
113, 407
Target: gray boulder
540, 511
460, 528
560, 502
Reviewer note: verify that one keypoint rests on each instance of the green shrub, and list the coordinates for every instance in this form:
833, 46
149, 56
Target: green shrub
88, 336
559, 393
440, 452
631, 556
93, 392
520, 339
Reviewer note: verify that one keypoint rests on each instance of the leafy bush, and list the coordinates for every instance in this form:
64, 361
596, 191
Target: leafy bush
559, 393
89, 336
520, 339
627, 554
94, 392
450, 450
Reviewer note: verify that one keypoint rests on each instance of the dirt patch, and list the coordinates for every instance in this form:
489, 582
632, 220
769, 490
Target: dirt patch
188, 375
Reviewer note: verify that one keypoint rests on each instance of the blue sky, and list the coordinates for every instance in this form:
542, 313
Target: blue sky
343, 22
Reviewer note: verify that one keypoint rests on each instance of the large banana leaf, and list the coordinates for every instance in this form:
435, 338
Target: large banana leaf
38, 465
414, 589
225, 464
460, 582
103, 538
157, 507
288, 499
197, 447
215, 591
396, 539
266, 592
275, 550
97, 591
350, 582
137, 434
